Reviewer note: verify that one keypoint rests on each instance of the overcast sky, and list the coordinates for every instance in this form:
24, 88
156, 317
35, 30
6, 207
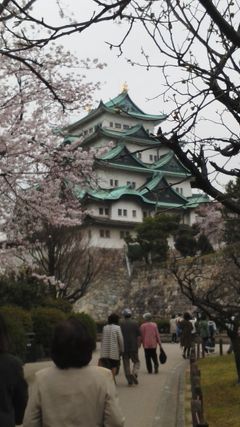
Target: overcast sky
143, 85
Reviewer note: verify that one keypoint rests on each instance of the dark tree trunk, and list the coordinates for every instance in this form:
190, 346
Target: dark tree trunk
235, 339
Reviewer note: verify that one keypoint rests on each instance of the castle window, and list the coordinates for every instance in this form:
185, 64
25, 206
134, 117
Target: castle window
150, 157
139, 155
100, 210
105, 234
126, 126
155, 158
111, 124
131, 184
124, 212
116, 183
118, 125
134, 213
106, 210
119, 212
179, 190
111, 182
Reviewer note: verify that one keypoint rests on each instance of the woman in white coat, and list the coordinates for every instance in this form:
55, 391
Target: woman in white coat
71, 393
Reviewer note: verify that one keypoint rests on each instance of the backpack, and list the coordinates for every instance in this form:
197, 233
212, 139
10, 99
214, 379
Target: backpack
211, 329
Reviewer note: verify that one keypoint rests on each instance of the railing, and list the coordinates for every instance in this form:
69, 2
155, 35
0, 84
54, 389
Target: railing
197, 412
200, 350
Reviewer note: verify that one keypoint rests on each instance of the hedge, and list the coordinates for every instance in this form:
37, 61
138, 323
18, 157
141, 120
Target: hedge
19, 323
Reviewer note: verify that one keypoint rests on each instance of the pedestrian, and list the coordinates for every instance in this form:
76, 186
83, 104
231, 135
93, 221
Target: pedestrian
173, 328
212, 330
203, 331
178, 330
132, 341
193, 321
186, 335
13, 387
112, 344
70, 392
150, 339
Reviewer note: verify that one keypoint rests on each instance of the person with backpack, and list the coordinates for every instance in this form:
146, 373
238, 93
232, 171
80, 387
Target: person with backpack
203, 331
212, 330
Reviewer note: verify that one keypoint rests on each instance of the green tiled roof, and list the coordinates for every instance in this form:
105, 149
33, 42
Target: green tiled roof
158, 189
169, 162
124, 103
155, 192
120, 104
137, 134
121, 156
197, 199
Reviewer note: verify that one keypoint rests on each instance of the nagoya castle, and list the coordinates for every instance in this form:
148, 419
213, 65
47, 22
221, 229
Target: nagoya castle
137, 177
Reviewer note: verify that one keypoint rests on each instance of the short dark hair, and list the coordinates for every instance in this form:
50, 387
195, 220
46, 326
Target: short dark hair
187, 316
113, 319
3, 335
72, 344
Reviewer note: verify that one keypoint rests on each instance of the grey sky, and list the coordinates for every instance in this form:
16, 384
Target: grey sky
143, 85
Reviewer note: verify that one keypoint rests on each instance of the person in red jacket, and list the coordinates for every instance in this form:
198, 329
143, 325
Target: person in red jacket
150, 339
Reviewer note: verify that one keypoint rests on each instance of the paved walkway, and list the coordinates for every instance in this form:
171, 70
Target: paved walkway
158, 400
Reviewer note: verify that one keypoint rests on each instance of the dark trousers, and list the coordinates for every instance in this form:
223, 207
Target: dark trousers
128, 357
151, 356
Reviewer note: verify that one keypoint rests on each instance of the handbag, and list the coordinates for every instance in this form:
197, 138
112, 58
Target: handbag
162, 356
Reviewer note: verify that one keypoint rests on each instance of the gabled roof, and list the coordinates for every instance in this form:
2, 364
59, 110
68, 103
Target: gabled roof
121, 104
170, 163
136, 134
122, 156
196, 199
158, 190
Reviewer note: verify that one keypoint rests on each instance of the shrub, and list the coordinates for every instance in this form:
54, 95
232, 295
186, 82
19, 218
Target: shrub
19, 323
163, 326
135, 252
60, 304
44, 321
88, 322
21, 290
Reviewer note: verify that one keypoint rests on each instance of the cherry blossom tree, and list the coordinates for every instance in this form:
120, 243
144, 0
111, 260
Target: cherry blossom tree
195, 47
214, 287
210, 222
39, 86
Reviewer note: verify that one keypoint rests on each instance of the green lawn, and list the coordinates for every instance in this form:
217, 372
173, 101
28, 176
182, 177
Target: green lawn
221, 393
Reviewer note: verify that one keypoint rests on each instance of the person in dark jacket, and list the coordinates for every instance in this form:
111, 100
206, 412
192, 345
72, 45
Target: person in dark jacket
13, 387
186, 338
132, 341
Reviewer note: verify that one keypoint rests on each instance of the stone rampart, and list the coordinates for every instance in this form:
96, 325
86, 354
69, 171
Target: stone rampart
147, 288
